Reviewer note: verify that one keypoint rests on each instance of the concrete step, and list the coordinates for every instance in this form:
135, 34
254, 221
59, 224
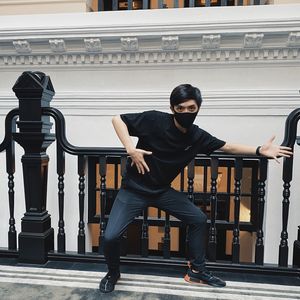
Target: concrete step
134, 286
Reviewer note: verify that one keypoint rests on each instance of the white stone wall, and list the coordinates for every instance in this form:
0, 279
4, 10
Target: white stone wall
244, 59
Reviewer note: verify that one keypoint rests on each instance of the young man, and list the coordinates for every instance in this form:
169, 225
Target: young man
166, 144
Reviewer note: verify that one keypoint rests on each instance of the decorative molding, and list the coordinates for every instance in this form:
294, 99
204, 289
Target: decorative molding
182, 57
170, 42
294, 39
57, 45
93, 45
219, 102
118, 39
22, 47
253, 40
211, 41
129, 44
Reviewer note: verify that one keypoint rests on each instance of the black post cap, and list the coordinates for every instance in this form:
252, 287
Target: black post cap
32, 82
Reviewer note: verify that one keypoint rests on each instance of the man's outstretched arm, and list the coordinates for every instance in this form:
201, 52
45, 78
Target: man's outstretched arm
268, 149
137, 155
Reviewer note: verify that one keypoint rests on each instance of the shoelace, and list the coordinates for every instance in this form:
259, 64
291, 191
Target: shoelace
208, 274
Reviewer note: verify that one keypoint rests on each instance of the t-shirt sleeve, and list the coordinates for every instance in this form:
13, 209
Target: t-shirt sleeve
208, 143
139, 124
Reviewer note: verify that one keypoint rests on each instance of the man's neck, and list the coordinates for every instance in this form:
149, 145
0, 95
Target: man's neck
182, 129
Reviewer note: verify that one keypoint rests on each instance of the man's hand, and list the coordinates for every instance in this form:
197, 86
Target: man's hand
275, 151
137, 157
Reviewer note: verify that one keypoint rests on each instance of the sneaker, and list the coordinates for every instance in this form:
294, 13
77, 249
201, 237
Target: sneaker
107, 284
204, 277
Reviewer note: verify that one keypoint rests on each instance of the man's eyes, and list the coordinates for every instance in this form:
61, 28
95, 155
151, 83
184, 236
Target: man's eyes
190, 108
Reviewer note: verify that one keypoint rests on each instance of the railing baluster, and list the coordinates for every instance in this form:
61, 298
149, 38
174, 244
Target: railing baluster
167, 239
287, 178
60, 169
296, 251
81, 230
123, 165
192, 3
100, 5
182, 181
205, 180
237, 198
191, 175
259, 246
212, 233
207, 3
124, 243
129, 4
145, 4
102, 172
176, 3
223, 2
240, 2
190, 190
116, 177
145, 236
115, 4
160, 3
10, 169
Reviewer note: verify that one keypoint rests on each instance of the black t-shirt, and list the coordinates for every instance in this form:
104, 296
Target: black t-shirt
171, 149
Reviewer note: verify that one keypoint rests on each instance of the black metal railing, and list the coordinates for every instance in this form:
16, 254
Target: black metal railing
36, 240
104, 5
216, 204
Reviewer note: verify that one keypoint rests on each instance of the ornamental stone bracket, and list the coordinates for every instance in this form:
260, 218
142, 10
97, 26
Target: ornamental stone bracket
57, 45
253, 40
294, 39
211, 41
93, 45
129, 44
22, 47
170, 42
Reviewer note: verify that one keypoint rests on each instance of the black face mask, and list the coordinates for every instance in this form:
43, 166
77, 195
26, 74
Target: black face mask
185, 120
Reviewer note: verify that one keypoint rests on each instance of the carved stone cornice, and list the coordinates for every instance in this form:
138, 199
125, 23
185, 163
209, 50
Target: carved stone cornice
155, 40
156, 57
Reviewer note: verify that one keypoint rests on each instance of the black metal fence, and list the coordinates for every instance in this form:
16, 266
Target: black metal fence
36, 239
104, 5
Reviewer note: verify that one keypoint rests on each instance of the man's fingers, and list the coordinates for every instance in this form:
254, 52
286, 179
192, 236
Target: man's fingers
146, 152
286, 152
145, 166
284, 155
286, 148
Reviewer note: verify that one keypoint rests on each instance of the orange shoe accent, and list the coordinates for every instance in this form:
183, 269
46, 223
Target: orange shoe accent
188, 279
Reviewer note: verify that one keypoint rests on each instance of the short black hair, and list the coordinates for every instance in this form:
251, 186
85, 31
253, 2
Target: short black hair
185, 92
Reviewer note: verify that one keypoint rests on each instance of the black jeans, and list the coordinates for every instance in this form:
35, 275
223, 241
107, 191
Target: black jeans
129, 204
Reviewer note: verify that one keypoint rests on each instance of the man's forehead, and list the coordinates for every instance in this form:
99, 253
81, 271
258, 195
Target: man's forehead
188, 102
